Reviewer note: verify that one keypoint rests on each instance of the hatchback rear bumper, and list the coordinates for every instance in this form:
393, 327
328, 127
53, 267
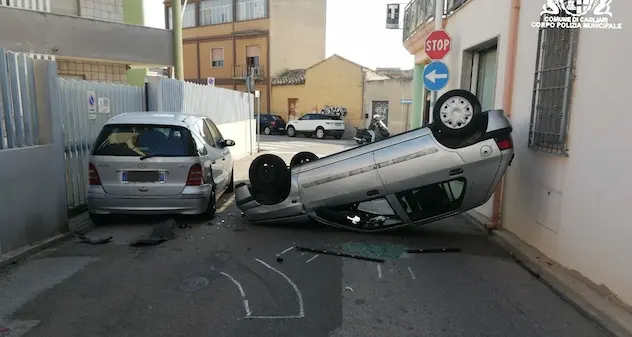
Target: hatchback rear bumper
192, 201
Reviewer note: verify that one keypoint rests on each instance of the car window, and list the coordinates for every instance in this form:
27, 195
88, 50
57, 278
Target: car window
304, 118
141, 140
335, 118
432, 200
199, 144
214, 130
205, 132
277, 118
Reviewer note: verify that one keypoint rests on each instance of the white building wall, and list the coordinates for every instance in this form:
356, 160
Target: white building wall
575, 209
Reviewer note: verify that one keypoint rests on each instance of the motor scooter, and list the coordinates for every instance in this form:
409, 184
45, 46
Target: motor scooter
375, 132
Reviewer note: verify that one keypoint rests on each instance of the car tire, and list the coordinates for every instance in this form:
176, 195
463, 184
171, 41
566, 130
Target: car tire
267, 130
231, 183
211, 208
270, 179
302, 157
99, 219
291, 132
320, 133
455, 111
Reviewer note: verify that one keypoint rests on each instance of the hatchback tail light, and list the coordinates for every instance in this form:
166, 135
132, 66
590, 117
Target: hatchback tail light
93, 175
273, 123
504, 142
196, 176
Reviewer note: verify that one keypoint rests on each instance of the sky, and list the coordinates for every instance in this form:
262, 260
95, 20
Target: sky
355, 30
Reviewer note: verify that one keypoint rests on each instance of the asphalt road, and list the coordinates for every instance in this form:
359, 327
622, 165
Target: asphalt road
222, 278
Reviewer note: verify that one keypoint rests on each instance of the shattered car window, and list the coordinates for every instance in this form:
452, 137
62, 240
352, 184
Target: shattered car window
428, 201
372, 214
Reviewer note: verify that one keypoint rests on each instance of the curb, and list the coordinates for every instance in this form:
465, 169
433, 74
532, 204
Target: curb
16, 255
583, 299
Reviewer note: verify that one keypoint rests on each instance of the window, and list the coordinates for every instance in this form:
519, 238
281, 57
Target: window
251, 9
305, 118
432, 200
214, 12
217, 57
252, 56
367, 215
141, 140
205, 133
188, 20
552, 89
214, 130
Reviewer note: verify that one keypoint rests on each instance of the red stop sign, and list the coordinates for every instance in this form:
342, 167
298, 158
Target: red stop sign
438, 44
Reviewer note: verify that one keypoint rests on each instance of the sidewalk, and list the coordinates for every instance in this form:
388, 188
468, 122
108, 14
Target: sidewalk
600, 306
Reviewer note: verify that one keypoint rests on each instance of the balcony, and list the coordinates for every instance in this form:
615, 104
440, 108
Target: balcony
242, 71
41, 32
418, 13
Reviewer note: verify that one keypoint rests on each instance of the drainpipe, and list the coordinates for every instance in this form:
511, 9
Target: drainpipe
510, 70
438, 24
176, 31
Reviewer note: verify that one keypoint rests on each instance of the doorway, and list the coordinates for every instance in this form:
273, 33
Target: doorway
381, 108
483, 84
292, 105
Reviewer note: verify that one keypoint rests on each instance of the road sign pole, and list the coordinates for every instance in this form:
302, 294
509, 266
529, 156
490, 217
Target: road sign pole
438, 22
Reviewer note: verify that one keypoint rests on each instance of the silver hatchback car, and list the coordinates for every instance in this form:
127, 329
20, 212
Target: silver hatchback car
413, 178
158, 163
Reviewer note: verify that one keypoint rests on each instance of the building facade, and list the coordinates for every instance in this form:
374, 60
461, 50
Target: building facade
563, 90
96, 40
227, 40
331, 83
391, 98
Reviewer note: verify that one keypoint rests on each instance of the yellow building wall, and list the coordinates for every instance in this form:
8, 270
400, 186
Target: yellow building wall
189, 54
224, 29
205, 59
333, 82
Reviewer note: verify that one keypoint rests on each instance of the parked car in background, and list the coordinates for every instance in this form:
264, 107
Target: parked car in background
409, 179
316, 124
269, 124
157, 163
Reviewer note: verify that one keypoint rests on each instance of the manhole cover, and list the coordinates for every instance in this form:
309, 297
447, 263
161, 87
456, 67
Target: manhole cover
193, 284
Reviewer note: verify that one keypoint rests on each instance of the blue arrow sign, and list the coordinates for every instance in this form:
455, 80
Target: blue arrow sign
436, 76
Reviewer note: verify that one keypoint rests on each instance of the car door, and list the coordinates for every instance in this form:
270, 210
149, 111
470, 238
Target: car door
227, 158
214, 153
303, 123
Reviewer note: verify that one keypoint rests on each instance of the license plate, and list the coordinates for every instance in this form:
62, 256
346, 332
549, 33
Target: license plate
281, 128
142, 176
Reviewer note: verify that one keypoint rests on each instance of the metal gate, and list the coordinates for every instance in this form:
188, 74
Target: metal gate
86, 107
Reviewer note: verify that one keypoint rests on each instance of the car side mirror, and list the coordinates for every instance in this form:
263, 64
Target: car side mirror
228, 142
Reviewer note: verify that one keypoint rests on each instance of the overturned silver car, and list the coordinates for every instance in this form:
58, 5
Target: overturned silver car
416, 177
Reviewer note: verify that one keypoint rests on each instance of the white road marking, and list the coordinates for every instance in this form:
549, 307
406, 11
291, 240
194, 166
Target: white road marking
411, 273
312, 259
226, 204
241, 292
299, 296
379, 271
285, 251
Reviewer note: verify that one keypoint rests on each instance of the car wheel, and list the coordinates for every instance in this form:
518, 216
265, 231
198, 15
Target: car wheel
270, 179
231, 182
320, 133
303, 157
455, 111
291, 132
98, 219
267, 130
211, 208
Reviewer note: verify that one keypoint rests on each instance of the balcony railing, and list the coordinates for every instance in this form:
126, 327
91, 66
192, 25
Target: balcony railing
420, 12
242, 71
34, 5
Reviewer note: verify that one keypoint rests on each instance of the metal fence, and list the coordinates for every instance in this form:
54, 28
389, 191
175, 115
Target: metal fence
420, 12
86, 107
221, 105
19, 126
552, 89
